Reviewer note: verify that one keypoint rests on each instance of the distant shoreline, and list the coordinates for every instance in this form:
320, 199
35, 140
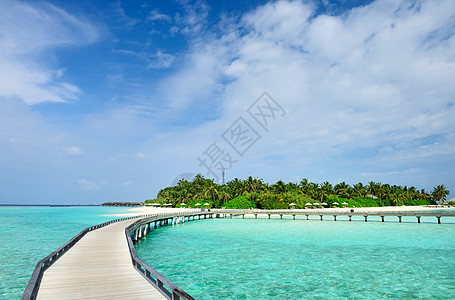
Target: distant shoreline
51, 205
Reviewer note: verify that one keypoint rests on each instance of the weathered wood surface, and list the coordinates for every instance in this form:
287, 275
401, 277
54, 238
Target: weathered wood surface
98, 267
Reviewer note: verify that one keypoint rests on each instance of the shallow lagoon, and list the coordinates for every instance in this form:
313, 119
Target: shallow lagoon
289, 259
30, 233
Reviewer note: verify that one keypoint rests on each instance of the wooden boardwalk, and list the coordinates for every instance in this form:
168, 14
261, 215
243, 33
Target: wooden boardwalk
98, 267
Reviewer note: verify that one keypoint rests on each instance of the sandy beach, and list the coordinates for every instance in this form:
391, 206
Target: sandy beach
136, 211
154, 210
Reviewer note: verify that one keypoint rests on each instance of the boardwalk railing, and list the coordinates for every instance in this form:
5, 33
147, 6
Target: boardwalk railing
32, 288
160, 282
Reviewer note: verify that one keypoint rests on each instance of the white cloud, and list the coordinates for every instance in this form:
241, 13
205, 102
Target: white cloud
25, 31
73, 150
87, 185
376, 80
194, 18
161, 61
155, 15
368, 95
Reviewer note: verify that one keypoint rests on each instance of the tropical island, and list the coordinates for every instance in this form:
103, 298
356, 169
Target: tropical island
255, 193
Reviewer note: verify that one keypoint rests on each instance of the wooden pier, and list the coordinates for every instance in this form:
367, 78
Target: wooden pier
97, 267
101, 263
321, 213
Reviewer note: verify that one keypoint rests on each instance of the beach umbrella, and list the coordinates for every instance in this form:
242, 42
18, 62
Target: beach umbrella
183, 204
167, 204
292, 204
344, 203
335, 203
323, 203
309, 204
315, 203
206, 203
197, 204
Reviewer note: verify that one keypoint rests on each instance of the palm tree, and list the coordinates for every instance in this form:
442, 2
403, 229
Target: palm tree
342, 190
440, 193
211, 192
359, 189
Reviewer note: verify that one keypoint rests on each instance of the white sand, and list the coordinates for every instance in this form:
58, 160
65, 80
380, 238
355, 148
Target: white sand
136, 211
380, 209
154, 210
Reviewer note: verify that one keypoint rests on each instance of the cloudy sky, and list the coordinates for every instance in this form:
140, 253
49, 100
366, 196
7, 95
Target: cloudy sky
112, 100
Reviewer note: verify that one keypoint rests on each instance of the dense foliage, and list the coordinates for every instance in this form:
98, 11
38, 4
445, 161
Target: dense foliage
240, 202
253, 192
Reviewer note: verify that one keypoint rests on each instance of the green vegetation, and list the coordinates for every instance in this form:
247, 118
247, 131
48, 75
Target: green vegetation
254, 193
240, 202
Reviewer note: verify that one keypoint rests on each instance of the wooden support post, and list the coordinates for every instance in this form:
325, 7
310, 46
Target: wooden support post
199, 217
183, 219
399, 219
230, 216
175, 296
293, 217
418, 219
366, 217
281, 216
382, 218
350, 217
439, 219
269, 216
321, 217
205, 216
334, 217
255, 216
243, 216
307, 217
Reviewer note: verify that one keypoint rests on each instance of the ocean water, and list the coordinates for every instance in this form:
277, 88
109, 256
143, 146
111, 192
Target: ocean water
300, 259
28, 234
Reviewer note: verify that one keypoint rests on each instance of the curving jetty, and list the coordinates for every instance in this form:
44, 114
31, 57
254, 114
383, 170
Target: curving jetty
101, 263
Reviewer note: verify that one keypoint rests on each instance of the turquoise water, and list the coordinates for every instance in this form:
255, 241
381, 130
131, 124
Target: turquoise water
28, 234
299, 259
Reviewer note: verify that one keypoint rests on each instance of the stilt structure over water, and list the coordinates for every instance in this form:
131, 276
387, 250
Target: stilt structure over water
437, 213
101, 261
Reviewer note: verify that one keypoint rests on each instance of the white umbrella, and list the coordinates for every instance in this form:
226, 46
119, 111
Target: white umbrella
315, 203
183, 204
197, 204
167, 204
206, 203
323, 203
309, 204
344, 203
292, 204
335, 203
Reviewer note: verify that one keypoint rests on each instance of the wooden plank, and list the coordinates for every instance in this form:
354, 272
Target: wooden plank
97, 267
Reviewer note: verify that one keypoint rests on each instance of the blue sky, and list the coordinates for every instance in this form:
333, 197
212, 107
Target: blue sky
112, 100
